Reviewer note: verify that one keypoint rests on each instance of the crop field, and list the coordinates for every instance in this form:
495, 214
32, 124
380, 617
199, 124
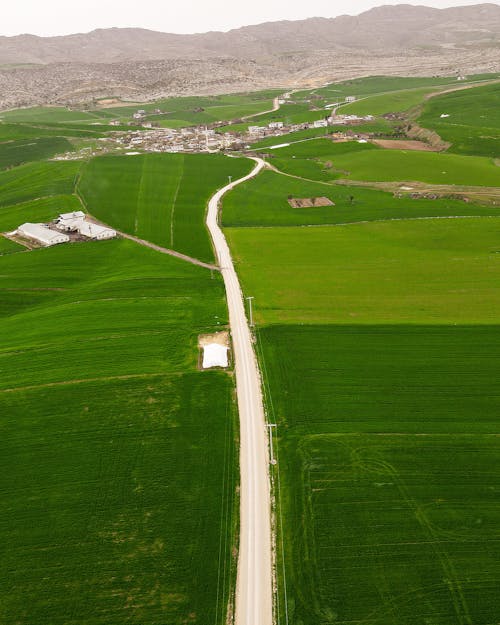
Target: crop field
14, 153
362, 162
473, 122
159, 197
118, 460
378, 351
396, 102
36, 180
176, 112
263, 201
8, 247
426, 271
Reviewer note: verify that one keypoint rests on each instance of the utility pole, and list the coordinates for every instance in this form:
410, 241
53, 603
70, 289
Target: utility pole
249, 299
271, 426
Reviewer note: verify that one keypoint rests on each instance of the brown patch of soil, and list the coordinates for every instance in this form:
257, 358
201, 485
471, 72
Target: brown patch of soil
401, 144
310, 202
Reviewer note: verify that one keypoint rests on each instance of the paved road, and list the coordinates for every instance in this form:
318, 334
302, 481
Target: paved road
254, 598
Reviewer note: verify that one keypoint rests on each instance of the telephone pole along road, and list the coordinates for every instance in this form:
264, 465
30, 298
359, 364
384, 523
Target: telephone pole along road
254, 595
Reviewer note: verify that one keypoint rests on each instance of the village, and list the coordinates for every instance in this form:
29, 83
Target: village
216, 137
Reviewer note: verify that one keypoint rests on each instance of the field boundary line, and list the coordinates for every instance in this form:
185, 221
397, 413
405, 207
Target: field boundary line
131, 376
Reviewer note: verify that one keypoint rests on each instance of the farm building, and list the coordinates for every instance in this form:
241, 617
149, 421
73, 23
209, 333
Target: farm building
94, 231
42, 234
350, 98
69, 222
320, 123
276, 125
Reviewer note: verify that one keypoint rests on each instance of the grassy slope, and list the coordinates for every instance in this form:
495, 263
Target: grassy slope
473, 125
117, 462
161, 198
363, 162
263, 201
36, 180
17, 152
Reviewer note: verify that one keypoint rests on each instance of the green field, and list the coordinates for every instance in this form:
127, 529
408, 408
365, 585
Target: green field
159, 197
356, 161
473, 125
362, 273
14, 153
388, 440
263, 201
379, 347
118, 459
37, 180
399, 101
176, 112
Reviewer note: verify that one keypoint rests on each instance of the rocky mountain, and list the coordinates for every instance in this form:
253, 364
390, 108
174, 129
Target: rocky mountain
138, 62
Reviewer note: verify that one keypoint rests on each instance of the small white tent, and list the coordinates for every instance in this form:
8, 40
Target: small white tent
215, 355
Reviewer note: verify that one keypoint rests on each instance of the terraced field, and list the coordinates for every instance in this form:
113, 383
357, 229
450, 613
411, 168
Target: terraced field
159, 197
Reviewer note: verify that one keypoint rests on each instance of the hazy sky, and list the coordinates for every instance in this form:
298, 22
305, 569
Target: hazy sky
57, 17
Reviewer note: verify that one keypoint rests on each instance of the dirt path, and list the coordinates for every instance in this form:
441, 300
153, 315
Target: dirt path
165, 250
254, 594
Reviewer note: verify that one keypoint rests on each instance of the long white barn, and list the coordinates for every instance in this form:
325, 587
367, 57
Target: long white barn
41, 234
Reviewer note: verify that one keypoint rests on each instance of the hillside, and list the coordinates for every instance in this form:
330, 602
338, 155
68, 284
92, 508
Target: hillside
138, 63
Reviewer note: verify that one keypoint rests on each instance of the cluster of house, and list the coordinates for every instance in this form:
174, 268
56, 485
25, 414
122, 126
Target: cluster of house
63, 228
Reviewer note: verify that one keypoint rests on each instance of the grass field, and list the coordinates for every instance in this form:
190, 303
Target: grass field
379, 346
118, 460
396, 102
362, 162
159, 197
473, 125
14, 153
263, 201
388, 471
176, 112
424, 271
37, 180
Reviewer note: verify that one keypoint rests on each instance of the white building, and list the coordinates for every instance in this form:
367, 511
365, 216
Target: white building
320, 123
350, 98
276, 125
69, 222
96, 232
42, 234
255, 130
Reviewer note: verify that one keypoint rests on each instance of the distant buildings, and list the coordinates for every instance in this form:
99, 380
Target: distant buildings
350, 98
276, 125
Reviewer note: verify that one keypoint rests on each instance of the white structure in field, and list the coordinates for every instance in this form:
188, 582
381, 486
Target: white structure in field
320, 123
68, 222
42, 234
215, 355
276, 125
94, 231
351, 98
76, 222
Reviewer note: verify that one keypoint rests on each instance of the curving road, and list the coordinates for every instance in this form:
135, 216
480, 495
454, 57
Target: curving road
254, 597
